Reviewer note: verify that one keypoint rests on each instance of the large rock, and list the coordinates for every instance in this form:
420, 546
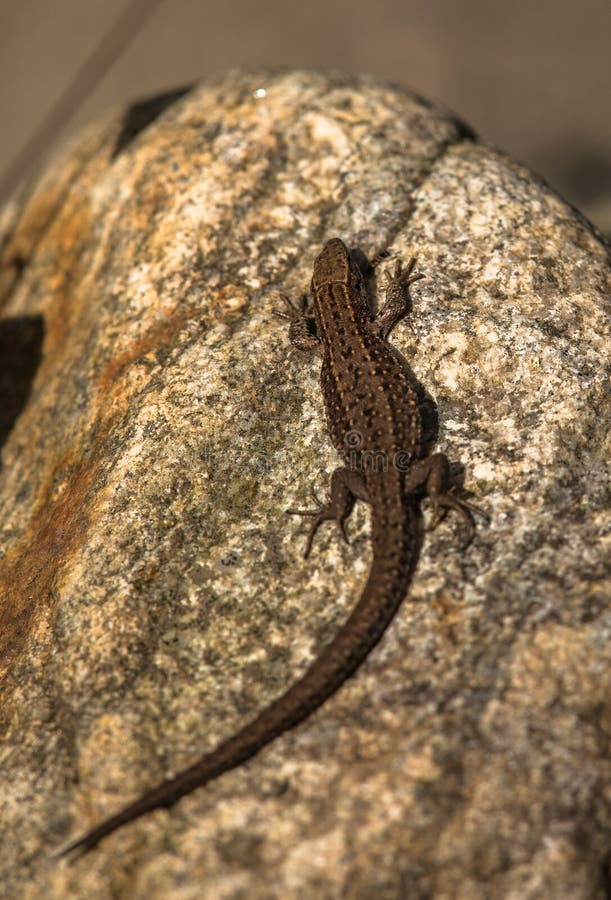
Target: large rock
156, 426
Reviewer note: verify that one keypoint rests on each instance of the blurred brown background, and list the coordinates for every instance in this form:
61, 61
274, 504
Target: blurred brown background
531, 76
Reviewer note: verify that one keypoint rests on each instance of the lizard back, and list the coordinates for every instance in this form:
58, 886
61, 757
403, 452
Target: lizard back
371, 406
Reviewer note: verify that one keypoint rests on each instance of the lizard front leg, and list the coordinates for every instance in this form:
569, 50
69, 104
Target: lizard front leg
397, 303
301, 324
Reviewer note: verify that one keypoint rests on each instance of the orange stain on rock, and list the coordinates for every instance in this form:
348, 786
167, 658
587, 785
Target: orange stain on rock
160, 335
30, 573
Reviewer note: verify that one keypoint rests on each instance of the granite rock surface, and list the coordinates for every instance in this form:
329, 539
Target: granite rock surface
156, 425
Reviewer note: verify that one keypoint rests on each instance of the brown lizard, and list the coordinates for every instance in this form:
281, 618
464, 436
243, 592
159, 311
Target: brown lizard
374, 421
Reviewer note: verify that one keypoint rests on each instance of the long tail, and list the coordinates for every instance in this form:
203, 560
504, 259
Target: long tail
393, 562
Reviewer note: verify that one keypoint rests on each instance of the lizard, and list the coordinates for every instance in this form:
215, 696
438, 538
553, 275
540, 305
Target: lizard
375, 423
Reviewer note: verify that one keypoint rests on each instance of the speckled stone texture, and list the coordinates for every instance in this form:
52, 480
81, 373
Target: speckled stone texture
156, 424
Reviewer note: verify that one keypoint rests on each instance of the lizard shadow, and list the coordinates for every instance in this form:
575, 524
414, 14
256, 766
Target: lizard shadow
21, 339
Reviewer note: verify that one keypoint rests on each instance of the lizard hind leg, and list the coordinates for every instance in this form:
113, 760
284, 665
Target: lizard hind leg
346, 487
434, 473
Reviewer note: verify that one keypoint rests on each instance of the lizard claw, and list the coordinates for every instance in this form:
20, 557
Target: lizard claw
322, 512
293, 310
448, 500
403, 276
